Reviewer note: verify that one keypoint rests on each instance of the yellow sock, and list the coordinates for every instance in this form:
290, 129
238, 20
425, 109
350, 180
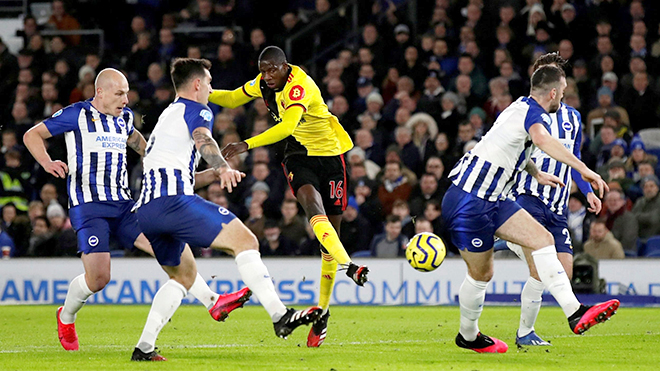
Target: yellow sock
328, 271
328, 237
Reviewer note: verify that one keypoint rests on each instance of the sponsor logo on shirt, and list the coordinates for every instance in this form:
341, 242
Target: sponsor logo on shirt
297, 93
57, 113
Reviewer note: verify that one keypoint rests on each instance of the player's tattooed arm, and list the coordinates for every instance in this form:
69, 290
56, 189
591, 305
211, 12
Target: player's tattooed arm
137, 142
532, 169
208, 148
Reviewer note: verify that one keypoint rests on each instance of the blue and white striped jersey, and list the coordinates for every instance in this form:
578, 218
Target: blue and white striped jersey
96, 152
171, 157
489, 169
566, 127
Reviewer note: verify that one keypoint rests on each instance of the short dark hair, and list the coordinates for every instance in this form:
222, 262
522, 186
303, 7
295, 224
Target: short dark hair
184, 69
273, 54
393, 219
549, 59
545, 77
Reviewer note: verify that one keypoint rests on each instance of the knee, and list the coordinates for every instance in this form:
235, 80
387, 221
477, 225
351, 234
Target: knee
250, 242
97, 281
483, 274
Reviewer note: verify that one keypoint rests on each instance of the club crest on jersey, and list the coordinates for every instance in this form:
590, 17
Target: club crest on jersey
297, 93
206, 115
567, 126
546, 118
93, 241
290, 176
57, 113
476, 242
121, 122
223, 211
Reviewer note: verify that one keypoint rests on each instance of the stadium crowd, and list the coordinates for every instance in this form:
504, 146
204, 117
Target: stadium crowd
414, 96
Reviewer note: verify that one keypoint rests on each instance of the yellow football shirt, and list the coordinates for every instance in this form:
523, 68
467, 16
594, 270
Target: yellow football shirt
301, 115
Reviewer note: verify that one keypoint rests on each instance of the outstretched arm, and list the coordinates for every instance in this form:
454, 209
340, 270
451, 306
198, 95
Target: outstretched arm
137, 142
34, 139
290, 120
556, 150
230, 98
210, 152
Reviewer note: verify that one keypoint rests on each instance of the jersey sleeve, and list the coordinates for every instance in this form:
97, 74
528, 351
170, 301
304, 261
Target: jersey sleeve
251, 88
63, 120
582, 184
290, 119
299, 94
535, 116
129, 118
198, 116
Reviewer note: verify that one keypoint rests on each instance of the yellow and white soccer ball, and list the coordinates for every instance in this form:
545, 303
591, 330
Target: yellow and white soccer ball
425, 252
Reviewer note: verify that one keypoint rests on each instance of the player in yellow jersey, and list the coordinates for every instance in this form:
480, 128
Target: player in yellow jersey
313, 160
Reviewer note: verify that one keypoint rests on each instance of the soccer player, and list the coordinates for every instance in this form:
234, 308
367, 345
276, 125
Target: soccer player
172, 216
475, 209
313, 160
548, 205
97, 132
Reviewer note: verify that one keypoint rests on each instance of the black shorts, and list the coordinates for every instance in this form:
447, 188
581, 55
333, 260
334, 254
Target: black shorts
327, 175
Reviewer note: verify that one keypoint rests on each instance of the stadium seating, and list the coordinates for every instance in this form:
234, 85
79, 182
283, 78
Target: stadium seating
652, 248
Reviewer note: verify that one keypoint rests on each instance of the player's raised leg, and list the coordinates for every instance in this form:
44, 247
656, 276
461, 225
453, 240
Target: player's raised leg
523, 230
311, 201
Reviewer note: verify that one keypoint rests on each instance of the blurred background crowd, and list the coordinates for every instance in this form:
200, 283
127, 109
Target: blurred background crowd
415, 83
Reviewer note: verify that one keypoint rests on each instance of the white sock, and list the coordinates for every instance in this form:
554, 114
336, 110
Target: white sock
554, 279
256, 277
471, 297
517, 249
76, 297
202, 292
165, 303
530, 304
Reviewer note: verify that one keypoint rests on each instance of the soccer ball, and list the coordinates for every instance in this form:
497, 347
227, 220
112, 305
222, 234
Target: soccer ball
425, 252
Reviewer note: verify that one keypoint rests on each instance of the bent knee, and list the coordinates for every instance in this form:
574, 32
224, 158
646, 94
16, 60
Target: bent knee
96, 282
483, 275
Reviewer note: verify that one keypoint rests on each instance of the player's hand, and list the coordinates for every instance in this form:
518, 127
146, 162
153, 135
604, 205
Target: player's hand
595, 204
233, 149
596, 181
229, 178
56, 168
549, 179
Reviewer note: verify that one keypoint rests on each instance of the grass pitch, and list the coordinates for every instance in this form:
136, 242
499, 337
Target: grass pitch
359, 338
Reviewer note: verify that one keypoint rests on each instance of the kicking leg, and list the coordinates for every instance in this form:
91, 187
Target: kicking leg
238, 240
311, 201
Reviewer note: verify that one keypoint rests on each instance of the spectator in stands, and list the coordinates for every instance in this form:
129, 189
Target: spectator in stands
395, 186
356, 233
357, 156
466, 134
143, 53
226, 70
430, 102
292, 225
274, 243
391, 243
373, 150
601, 148
424, 129
62, 232
638, 156
450, 117
620, 221
63, 21
641, 103
433, 213
255, 221
168, 48
602, 244
409, 152
15, 182
579, 221
17, 226
647, 208
596, 117
426, 190
42, 242
616, 172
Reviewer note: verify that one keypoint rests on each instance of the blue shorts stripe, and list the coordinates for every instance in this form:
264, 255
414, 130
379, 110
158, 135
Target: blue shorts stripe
93, 163
106, 175
179, 181
493, 184
481, 177
120, 162
79, 165
467, 172
163, 182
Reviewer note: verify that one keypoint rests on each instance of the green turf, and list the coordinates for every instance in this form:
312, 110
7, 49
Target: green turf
359, 338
